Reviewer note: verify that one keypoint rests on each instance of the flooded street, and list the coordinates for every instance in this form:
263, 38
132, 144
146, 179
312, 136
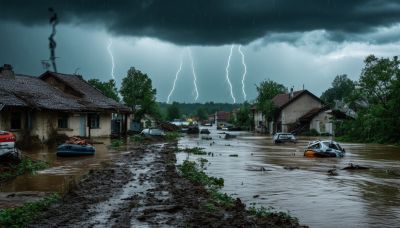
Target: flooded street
63, 172
302, 186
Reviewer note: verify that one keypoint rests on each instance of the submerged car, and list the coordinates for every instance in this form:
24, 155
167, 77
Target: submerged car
323, 149
284, 137
153, 132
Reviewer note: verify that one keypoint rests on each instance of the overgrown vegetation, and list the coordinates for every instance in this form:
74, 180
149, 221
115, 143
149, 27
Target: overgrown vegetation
212, 184
194, 150
266, 91
25, 165
109, 89
19, 216
137, 138
217, 199
376, 99
116, 143
190, 171
270, 211
171, 136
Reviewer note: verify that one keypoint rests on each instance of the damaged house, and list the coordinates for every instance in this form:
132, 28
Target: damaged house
57, 102
297, 111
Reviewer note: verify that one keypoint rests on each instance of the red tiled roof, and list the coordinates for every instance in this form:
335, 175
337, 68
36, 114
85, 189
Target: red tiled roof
282, 99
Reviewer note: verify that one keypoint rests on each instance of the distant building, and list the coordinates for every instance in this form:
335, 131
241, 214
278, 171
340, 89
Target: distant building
222, 117
55, 102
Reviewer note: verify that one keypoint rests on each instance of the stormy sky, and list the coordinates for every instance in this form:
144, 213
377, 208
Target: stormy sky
296, 43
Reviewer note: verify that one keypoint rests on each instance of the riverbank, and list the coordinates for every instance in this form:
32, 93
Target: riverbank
144, 188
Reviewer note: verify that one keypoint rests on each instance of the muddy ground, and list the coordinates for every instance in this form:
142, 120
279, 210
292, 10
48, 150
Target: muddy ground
144, 189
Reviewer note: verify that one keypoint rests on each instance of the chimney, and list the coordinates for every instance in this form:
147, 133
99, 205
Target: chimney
6, 71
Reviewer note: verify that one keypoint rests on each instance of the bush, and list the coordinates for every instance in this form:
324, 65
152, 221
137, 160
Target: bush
171, 136
26, 165
19, 216
190, 172
116, 143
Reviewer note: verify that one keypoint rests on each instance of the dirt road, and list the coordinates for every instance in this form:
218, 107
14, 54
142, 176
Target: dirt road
143, 189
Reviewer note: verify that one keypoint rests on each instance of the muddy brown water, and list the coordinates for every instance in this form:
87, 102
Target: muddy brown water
359, 198
302, 186
59, 177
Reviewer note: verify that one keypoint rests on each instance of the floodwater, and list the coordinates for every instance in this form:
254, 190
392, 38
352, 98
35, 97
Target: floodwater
302, 186
59, 177
289, 182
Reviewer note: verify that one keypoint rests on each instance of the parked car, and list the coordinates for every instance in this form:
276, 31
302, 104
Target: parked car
153, 132
284, 137
7, 143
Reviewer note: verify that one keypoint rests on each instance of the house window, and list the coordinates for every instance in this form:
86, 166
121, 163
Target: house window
16, 120
94, 121
63, 121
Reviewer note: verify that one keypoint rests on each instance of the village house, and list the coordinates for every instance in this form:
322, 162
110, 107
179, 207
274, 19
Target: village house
55, 102
297, 111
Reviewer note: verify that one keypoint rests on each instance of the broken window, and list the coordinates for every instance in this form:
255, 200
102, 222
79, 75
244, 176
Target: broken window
94, 121
63, 121
16, 120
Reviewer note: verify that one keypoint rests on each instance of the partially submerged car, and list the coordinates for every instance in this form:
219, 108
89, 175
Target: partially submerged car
323, 149
7, 143
153, 132
284, 137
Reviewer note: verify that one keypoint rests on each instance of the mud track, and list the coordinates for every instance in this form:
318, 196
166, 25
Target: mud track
143, 189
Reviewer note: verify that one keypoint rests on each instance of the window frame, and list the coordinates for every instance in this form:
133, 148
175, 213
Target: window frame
63, 118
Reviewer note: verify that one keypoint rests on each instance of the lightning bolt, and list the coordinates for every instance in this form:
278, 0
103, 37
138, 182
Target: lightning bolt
112, 58
245, 71
176, 78
227, 74
194, 75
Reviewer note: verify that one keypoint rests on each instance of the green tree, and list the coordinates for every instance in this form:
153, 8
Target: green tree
137, 91
243, 116
173, 111
379, 86
342, 89
201, 114
109, 88
266, 91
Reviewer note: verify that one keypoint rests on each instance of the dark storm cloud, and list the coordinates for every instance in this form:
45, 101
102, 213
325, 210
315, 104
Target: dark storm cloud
211, 22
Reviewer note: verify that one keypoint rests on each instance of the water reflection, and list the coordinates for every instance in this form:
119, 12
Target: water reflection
63, 170
285, 179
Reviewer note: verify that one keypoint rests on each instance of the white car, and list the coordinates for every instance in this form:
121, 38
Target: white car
284, 137
324, 148
153, 132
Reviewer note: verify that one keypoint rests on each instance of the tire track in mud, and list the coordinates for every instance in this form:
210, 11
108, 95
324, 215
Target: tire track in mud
144, 189
130, 193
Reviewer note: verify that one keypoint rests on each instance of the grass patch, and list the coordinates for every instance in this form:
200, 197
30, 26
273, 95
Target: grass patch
191, 172
218, 200
262, 212
26, 165
19, 216
172, 136
137, 138
194, 150
116, 143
